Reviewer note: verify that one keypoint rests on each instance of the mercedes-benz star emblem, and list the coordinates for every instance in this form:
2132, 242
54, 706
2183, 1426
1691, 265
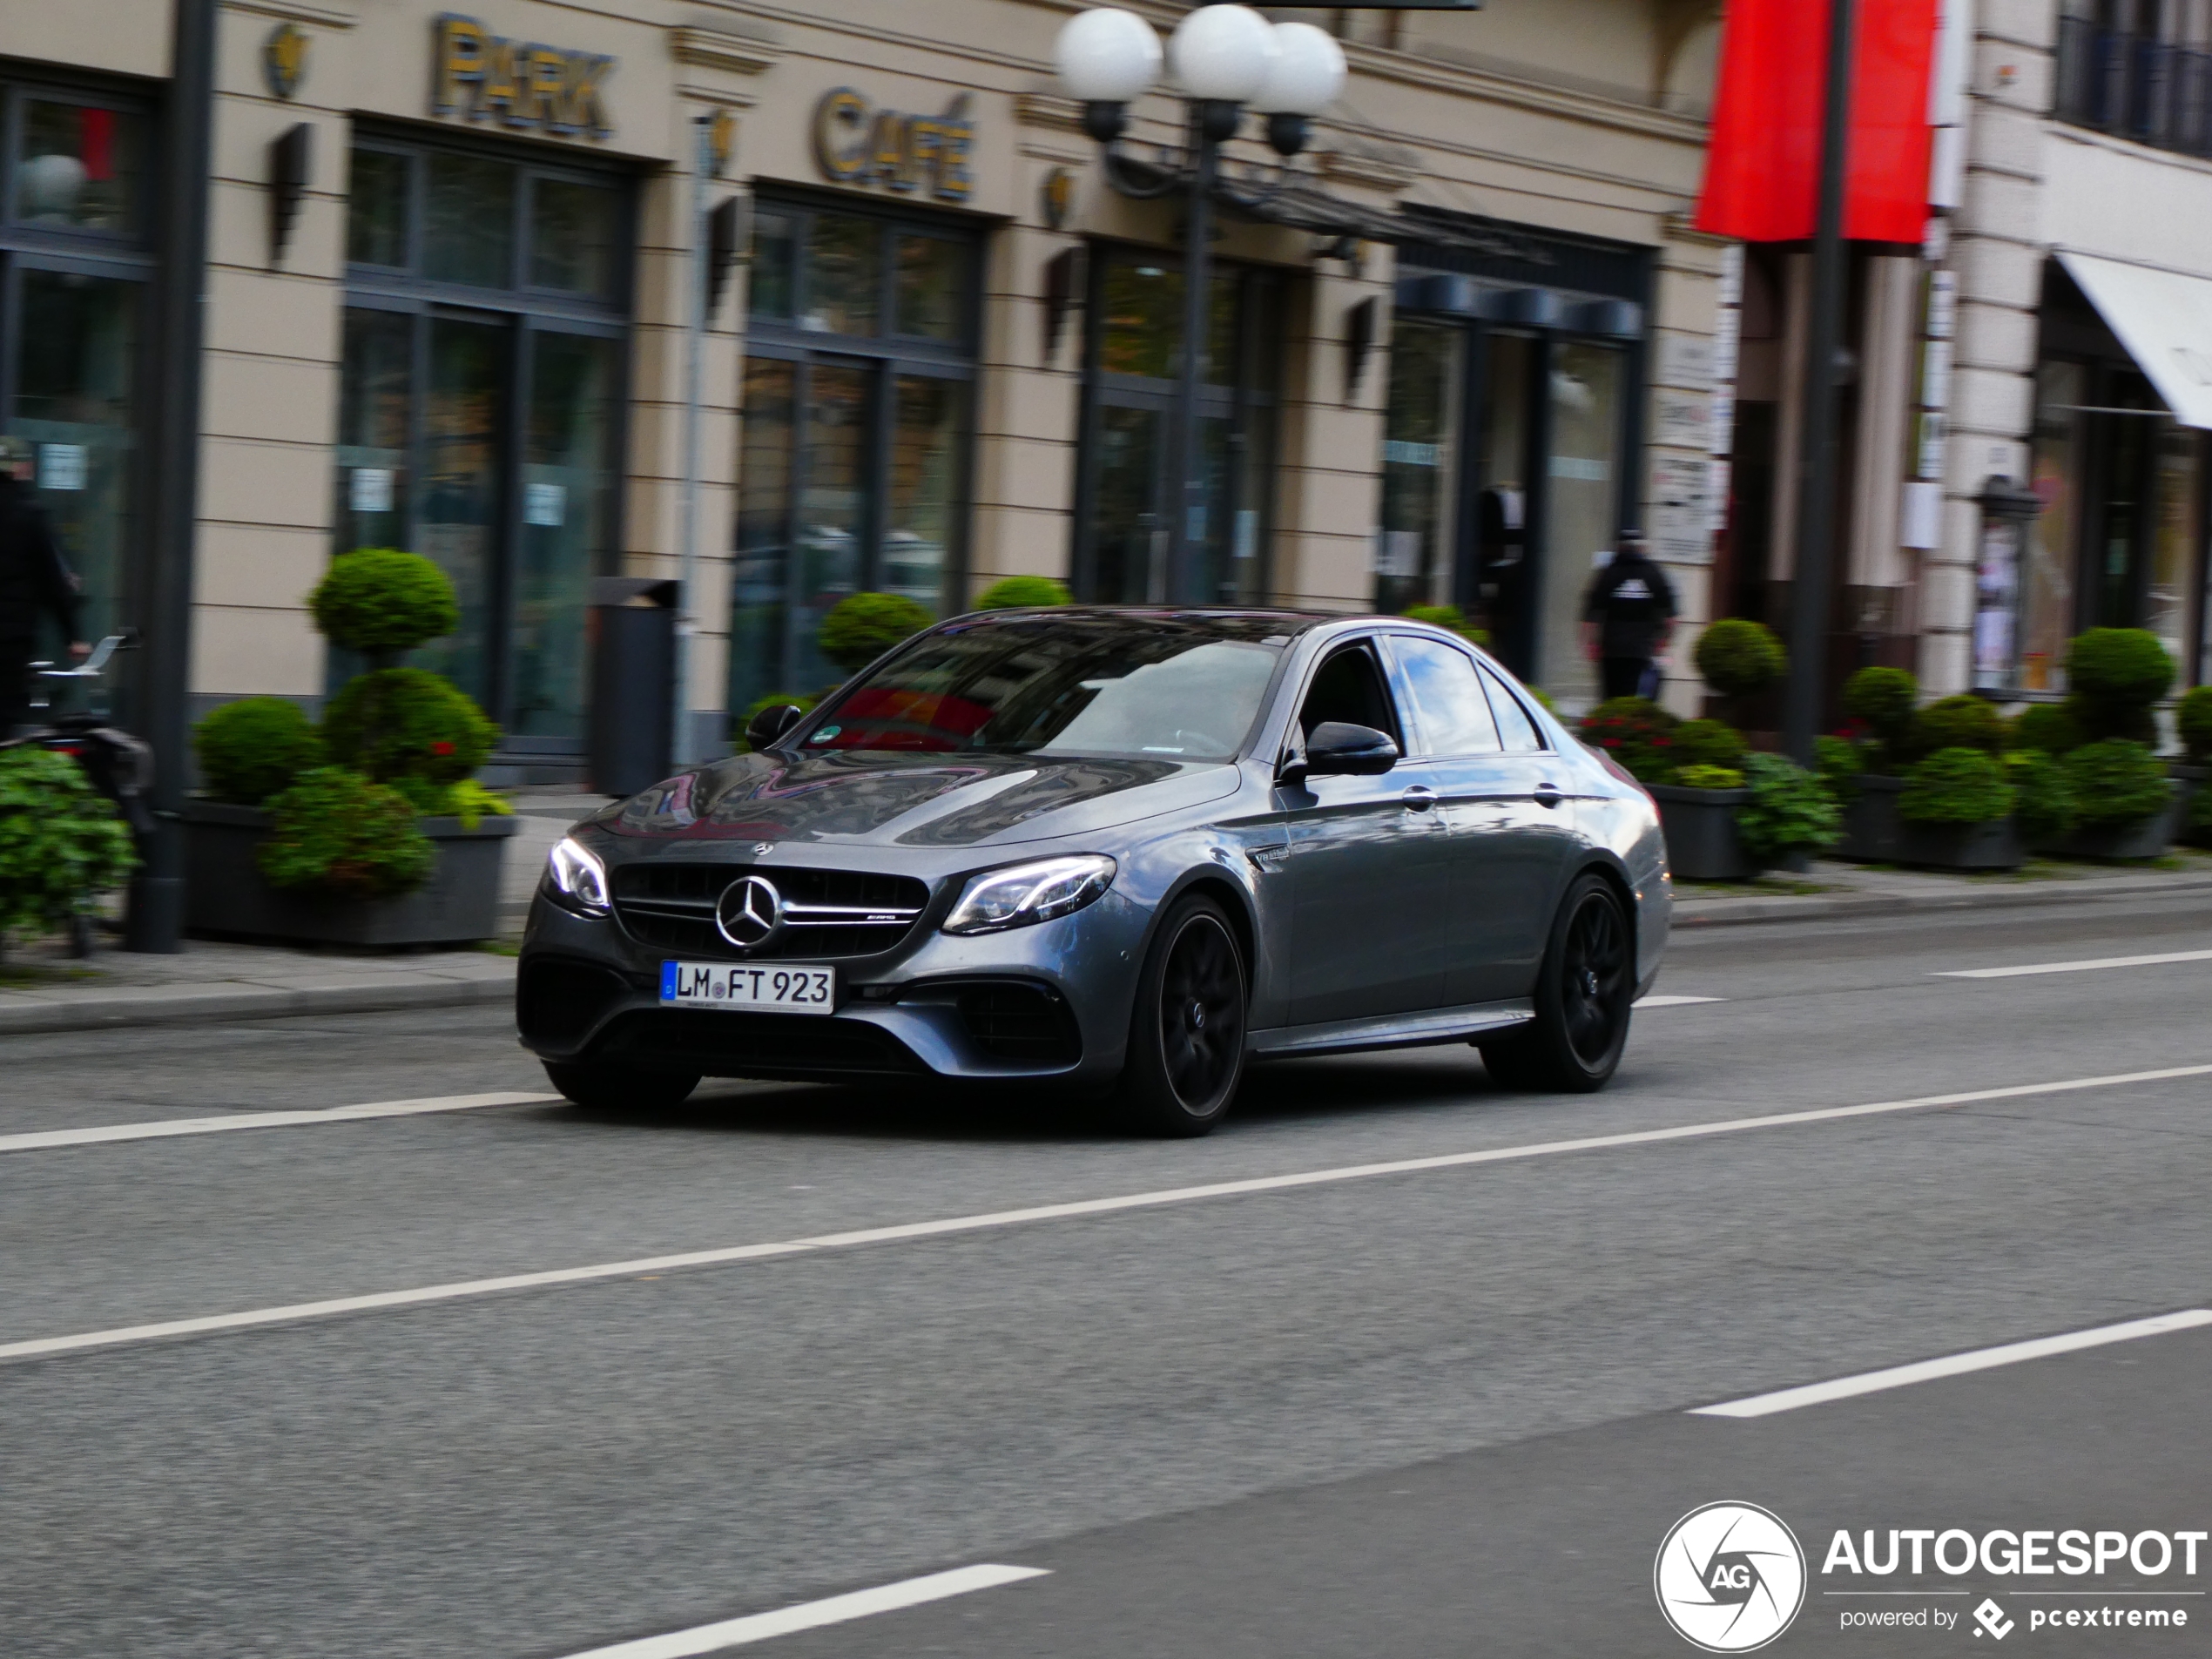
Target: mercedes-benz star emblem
750, 912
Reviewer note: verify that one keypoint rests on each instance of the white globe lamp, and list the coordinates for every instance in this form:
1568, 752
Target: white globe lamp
1222, 54
1306, 74
1107, 56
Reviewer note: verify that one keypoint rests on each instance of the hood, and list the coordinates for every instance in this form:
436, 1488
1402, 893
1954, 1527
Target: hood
870, 798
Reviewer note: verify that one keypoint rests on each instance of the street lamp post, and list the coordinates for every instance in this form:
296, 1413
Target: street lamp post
1221, 58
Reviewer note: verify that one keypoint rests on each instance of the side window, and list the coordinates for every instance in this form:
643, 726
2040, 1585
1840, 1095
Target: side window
1349, 687
1448, 705
1514, 724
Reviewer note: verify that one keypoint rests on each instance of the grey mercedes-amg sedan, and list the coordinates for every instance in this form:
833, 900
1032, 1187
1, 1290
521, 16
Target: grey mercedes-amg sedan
1123, 850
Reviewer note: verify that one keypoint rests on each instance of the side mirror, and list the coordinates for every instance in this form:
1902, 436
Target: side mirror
772, 723
1339, 749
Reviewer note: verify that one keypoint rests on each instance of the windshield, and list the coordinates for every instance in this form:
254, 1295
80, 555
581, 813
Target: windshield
1081, 685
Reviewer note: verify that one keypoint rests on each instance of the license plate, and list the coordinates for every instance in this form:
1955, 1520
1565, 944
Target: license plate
727, 985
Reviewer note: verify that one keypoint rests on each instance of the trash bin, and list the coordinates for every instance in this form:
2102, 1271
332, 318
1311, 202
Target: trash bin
633, 682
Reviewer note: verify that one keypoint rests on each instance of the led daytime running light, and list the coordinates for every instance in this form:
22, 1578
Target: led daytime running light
1030, 893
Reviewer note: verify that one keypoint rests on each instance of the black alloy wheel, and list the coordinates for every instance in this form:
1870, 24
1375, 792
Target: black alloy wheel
619, 1089
1186, 1053
1583, 994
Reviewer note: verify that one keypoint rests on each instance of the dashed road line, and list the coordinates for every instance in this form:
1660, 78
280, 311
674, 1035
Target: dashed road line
162, 1129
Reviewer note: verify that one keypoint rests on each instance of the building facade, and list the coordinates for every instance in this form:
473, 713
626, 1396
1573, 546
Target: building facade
450, 308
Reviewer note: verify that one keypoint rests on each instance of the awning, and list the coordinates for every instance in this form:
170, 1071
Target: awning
2164, 321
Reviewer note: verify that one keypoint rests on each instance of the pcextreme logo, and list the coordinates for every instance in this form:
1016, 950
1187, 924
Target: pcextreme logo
1729, 1577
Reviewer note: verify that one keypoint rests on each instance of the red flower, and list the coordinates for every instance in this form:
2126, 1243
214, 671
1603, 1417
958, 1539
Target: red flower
1612, 743
441, 748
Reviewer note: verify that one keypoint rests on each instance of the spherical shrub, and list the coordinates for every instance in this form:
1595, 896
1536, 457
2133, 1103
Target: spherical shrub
2118, 668
1638, 733
407, 722
1790, 811
1884, 699
1022, 593
1707, 742
338, 834
2193, 719
1957, 786
2043, 799
2047, 727
252, 748
62, 843
2114, 781
1737, 657
862, 626
381, 602
1963, 722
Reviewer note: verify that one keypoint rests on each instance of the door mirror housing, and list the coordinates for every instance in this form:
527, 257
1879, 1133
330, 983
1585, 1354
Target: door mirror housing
772, 723
1339, 749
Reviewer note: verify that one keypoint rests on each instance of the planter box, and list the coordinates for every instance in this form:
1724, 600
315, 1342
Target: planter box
1962, 846
226, 894
1873, 834
1702, 840
2190, 781
2147, 837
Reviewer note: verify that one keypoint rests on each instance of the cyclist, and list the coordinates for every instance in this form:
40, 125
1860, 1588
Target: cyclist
35, 581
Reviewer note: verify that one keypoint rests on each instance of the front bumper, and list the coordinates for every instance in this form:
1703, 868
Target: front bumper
1045, 1002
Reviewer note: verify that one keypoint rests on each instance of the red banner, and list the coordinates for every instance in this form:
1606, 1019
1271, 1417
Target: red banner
1761, 174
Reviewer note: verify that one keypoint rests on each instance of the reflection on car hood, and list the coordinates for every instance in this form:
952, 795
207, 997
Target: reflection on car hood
914, 801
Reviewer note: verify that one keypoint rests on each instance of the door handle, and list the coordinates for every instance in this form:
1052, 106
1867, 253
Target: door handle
1549, 795
1419, 798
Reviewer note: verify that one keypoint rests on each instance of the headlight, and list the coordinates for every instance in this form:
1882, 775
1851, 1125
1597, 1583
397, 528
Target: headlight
1030, 893
578, 878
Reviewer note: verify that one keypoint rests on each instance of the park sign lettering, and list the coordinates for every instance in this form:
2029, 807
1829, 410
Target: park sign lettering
859, 144
483, 76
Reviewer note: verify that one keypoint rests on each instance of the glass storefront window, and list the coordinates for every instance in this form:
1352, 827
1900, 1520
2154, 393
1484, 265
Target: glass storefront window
1419, 444
81, 167
2176, 540
1582, 499
567, 517
2046, 592
464, 418
468, 220
772, 279
377, 393
574, 236
927, 421
843, 274
376, 208
759, 583
932, 287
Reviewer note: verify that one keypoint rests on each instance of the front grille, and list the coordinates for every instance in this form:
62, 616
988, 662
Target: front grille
733, 1044
828, 913
1018, 1022
557, 1001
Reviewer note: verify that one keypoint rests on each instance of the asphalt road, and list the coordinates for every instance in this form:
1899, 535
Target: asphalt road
1435, 1411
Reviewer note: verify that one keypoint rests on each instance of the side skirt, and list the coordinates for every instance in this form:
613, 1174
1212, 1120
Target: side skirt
1431, 1026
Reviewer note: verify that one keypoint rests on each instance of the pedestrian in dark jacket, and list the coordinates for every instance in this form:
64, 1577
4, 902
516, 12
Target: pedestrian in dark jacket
1627, 618
35, 581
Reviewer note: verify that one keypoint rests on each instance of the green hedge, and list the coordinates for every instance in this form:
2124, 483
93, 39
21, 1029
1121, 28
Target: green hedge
1638, 733
1737, 657
61, 844
407, 722
1957, 786
1790, 811
383, 603
1964, 722
862, 626
252, 748
337, 832
2116, 781
1022, 593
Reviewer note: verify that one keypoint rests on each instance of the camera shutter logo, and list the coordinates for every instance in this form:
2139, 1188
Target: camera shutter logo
1731, 1577
750, 912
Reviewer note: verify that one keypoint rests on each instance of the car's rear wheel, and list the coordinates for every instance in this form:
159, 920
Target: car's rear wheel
608, 1088
1186, 1041
1583, 994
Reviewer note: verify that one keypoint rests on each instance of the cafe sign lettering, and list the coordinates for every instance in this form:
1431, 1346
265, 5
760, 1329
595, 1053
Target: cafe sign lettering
859, 144
483, 76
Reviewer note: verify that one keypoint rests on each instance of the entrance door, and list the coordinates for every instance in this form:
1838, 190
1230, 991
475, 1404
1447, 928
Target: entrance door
466, 413
1504, 587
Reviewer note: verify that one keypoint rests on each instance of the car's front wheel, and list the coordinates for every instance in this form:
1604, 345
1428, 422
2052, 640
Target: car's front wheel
1186, 1041
1583, 994
613, 1089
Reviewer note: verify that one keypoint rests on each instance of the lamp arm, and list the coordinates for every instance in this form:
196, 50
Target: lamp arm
1136, 187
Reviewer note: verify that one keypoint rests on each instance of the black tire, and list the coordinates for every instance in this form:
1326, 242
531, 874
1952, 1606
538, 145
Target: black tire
620, 1088
1584, 991
1186, 1038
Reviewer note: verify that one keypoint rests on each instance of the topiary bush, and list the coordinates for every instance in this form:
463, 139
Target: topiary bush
1884, 701
862, 626
2192, 720
2198, 831
1957, 786
1022, 593
2043, 799
1707, 742
1638, 733
1450, 616
1839, 762
251, 748
2115, 781
2115, 678
383, 603
62, 843
336, 833
407, 722
1738, 658
1790, 811
2046, 726
1963, 722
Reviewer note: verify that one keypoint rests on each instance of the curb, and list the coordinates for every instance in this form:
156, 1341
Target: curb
186, 1004
1728, 913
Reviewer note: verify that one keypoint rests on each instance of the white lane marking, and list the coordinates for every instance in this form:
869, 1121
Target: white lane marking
465, 1288
2078, 967
813, 1616
1676, 1002
160, 1129
1872, 1382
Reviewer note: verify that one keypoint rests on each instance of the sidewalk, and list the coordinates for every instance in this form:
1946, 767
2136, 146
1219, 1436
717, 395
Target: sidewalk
41, 989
